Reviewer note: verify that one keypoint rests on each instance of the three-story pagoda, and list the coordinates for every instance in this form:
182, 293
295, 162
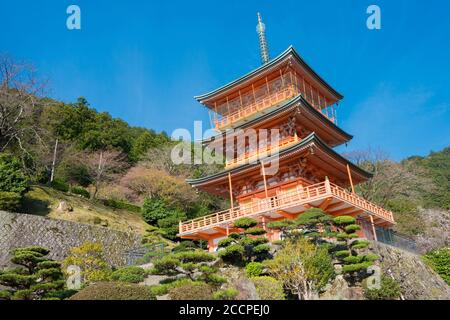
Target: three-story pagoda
286, 94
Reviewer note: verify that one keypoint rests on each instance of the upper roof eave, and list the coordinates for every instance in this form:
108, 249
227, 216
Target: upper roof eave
289, 51
281, 108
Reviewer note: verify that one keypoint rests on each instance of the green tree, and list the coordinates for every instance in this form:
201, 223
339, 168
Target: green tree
89, 257
303, 268
193, 265
12, 178
36, 278
246, 246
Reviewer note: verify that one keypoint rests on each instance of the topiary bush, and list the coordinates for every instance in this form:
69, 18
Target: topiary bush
131, 274
254, 269
114, 291
36, 278
192, 291
245, 223
269, 288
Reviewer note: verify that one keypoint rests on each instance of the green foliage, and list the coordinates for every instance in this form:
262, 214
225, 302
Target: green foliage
255, 231
130, 274
344, 220
360, 244
303, 268
268, 288
409, 220
342, 253
37, 277
312, 217
389, 290
192, 291
10, 200
114, 291
439, 261
356, 267
185, 246
12, 178
254, 269
245, 223
351, 228
121, 205
225, 294
59, 185
89, 257
436, 167
193, 265
80, 191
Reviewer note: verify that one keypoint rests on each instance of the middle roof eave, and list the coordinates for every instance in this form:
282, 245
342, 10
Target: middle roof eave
312, 138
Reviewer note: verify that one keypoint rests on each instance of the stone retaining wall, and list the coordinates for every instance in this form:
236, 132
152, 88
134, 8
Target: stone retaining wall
59, 236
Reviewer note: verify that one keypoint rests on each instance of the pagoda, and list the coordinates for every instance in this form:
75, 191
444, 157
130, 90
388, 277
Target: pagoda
286, 94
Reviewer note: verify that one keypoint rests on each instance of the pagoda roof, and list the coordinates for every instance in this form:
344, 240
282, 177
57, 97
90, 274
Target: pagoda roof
288, 106
284, 56
326, 154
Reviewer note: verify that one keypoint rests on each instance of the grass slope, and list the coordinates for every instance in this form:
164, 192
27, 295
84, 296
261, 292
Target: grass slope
44, 201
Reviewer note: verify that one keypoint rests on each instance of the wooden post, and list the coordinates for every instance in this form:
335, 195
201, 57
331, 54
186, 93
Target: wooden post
350, 178
264, 178
240, 97
231, 190
373, 229
254, 95
327, 185
267, 84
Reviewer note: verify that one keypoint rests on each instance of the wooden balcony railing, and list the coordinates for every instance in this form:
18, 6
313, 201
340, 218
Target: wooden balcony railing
270, 149
297, 197
259, 105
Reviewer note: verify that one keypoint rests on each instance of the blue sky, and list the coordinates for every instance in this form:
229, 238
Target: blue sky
143, 61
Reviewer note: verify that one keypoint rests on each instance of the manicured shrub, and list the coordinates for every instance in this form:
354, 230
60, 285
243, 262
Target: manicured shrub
356, 267
185, 246
9, 200
439, 261
130, 274
114, 291
245, 223
371, 257
353, 259
59, 185
36, 278
225, 294
192, 291
342, 253
360, 244
352, 228
254, 269
80, 191
344, 220
268, 288
389, 290
255, 231
225, 242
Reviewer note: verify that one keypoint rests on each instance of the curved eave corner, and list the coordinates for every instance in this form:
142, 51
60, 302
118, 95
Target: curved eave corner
312, 138
289, 51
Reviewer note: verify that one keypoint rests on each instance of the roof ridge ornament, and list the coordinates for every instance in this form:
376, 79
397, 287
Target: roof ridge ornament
264, 48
